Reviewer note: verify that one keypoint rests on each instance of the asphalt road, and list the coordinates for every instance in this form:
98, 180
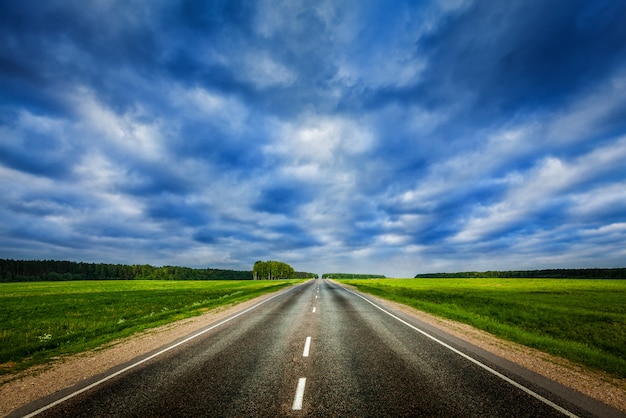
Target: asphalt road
319, 350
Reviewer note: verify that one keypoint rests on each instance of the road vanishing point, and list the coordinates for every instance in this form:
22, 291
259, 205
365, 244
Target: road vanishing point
318, 349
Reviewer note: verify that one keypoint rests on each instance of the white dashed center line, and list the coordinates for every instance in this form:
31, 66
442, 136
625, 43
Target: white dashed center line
297, 400
307, 347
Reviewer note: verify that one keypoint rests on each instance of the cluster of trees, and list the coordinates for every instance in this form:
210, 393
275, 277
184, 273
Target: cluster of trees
272, 270
53, 270
615, 273
351, 276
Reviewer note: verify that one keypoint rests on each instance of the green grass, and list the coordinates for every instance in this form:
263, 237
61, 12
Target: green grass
581, 320
43, 320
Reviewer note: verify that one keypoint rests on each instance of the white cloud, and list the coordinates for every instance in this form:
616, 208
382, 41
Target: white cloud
598, 201
41, 124
398, 68
277, 18
617, 228
585, 117
101, 127
325, 140
325, 152
454, 5
198, 103
263, 71
553, 179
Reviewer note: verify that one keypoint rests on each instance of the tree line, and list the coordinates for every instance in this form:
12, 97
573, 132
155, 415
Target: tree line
352, 276
590, 273
53, 270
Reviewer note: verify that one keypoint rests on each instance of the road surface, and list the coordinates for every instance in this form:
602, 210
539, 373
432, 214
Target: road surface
318, 349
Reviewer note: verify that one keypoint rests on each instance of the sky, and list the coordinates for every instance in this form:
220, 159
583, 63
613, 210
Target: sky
363, 136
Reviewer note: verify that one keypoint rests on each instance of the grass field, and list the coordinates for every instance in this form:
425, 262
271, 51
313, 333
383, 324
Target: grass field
39, 321
580, 320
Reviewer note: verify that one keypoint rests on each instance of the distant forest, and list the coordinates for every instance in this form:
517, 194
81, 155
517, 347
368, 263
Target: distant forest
351, 276
53, 270
615, 273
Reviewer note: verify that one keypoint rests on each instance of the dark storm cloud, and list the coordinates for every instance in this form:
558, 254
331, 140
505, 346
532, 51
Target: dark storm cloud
521, 56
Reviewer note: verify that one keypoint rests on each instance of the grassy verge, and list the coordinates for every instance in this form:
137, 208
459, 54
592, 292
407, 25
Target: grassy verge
581, 320
43, 320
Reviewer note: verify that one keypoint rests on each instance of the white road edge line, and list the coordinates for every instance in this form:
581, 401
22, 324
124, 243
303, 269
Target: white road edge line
132, 366
297, 400
484, 366
307, 347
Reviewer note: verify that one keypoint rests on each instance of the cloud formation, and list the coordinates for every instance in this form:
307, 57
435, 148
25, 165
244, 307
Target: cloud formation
396, 139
